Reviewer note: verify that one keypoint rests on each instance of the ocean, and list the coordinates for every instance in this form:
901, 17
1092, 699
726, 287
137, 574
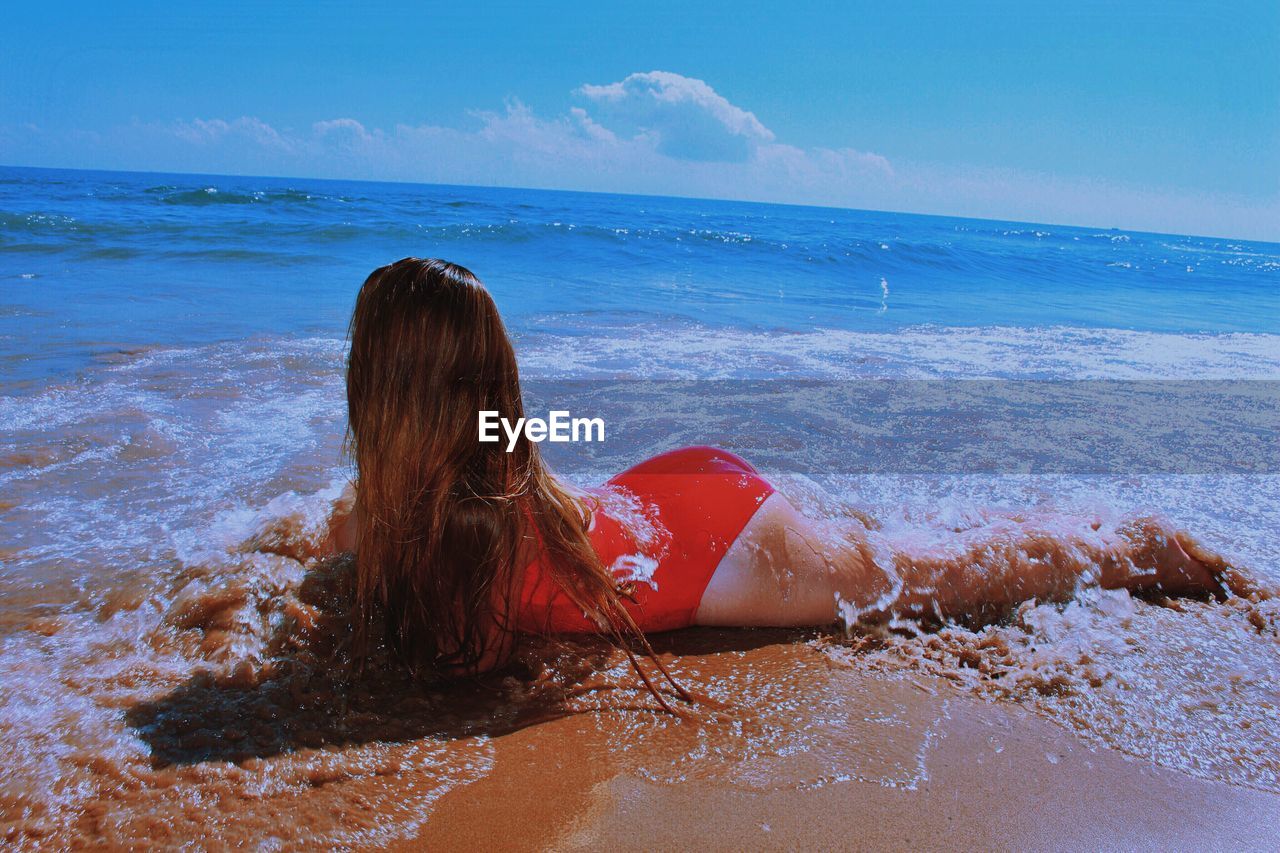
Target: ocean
172, 351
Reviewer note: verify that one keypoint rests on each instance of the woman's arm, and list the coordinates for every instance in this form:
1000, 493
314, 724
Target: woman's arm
298, 537
787, 570
343, 523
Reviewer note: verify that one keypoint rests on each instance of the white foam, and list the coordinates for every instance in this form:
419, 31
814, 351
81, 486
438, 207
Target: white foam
922, 352
637, 568
171, 459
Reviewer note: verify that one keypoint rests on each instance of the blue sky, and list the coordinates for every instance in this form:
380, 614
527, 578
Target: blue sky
1163, 116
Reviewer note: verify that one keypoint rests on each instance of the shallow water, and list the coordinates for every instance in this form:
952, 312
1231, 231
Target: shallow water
173, 400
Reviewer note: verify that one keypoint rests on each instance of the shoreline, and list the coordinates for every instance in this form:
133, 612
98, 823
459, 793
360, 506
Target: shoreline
992, 774
789, 745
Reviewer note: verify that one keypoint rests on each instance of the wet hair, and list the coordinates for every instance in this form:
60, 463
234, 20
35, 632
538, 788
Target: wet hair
444, 520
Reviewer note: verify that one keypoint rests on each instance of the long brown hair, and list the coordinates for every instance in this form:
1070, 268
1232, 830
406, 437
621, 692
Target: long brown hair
444, 520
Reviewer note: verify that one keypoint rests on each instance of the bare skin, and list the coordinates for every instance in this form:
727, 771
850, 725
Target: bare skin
343, 524
786, 570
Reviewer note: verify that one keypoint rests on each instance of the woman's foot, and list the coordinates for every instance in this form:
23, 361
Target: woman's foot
1226, 577
1181, 567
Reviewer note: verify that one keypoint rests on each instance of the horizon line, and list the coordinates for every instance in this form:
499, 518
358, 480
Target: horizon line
810, 206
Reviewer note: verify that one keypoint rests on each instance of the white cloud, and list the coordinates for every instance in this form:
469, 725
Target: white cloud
656, 133
685, 117
217, 131
342, 128
590, 128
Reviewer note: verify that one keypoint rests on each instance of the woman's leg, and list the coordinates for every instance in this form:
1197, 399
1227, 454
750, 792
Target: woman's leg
785, 569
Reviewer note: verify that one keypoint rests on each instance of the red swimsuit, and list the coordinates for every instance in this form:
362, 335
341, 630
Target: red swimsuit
682, 510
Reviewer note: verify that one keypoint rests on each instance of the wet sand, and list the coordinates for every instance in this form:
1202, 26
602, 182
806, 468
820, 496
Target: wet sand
209, 706
798, 740
989, 775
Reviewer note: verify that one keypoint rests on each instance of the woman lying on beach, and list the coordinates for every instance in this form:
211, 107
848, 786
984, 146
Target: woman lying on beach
461, 546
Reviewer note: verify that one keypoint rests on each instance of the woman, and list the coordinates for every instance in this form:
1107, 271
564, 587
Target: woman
461, 545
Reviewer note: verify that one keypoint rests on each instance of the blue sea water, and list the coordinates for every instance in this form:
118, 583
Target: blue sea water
91, 261
189, 331
171, 354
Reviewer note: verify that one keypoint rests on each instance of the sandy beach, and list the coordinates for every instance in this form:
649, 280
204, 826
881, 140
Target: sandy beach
796, 740
985, 775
